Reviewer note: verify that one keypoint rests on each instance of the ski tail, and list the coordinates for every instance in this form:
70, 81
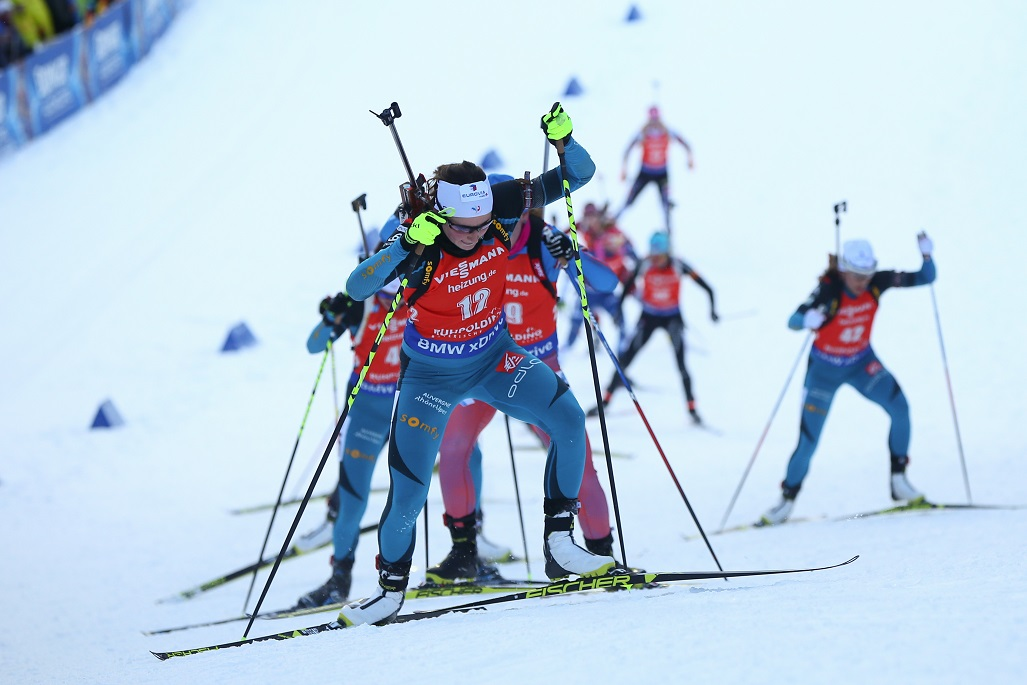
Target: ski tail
285, 635
293, 552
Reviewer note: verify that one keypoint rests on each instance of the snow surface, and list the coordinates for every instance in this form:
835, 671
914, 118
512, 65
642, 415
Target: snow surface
214, 185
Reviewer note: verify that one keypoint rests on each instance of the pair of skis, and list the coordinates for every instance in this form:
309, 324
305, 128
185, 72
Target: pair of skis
421, 592
899, 509
612, 582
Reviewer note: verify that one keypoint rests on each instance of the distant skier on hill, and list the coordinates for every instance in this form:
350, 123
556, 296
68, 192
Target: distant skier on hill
654, 139
660, 277
841, 310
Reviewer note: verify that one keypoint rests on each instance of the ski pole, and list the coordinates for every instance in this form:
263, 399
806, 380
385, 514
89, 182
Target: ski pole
839, 209
588, 336
358, 204
517, 492
673, 476
952, 398
387, 117
766, 429
335, 401
278, 502
427, 561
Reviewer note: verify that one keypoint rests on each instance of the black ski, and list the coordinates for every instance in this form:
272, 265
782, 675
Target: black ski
281, 613
898, 509
927, 506
752, 526
617, 581
293, 552
420, 592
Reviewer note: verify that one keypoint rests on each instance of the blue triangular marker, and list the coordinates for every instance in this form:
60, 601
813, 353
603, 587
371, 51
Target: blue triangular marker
238, 338
633, 14
491, 161
107, 416
573, 87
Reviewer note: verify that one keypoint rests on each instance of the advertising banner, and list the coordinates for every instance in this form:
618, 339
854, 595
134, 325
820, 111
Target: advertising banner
150, 19
12, 133
108, 49
53, 82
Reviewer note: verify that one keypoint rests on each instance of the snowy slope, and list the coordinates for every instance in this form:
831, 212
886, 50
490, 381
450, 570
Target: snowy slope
214, 185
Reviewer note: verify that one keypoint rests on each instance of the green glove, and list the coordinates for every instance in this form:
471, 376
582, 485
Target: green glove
424, 229
557, 124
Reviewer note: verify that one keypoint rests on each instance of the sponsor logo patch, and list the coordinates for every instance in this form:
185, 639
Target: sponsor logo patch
509, 362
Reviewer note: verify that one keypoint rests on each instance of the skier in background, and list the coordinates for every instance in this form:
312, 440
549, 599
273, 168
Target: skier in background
660, 277
841, 311
654, 139
367, 426
607, 243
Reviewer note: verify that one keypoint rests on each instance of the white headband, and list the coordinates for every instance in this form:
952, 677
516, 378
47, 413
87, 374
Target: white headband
468, 200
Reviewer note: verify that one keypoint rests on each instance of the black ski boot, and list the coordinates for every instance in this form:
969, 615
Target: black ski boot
461, 564
601, 546
335, 591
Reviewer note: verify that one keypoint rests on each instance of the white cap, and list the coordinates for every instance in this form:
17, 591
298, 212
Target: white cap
857, 257
468, 200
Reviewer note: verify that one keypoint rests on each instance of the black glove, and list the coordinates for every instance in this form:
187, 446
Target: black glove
558, 244
341, 312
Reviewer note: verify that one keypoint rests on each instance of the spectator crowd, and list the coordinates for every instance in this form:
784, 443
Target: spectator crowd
26, 25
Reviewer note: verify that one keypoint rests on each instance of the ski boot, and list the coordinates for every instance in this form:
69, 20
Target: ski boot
693, 413
563, 556
334, 591
780, 512
461, 564
383, 606
901, 489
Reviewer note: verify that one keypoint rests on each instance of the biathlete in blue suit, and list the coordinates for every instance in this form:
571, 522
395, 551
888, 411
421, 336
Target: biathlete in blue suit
841, 310
530, 311
457, 346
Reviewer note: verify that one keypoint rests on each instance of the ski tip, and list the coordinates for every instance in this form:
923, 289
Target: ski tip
163, 656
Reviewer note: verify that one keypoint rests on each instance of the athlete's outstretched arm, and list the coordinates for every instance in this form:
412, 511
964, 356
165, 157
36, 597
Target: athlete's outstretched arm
377, 270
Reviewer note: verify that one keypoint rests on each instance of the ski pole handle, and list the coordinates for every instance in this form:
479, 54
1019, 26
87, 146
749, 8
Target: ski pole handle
357, 204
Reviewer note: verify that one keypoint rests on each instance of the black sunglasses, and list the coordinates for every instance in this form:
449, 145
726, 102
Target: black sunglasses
471, 229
